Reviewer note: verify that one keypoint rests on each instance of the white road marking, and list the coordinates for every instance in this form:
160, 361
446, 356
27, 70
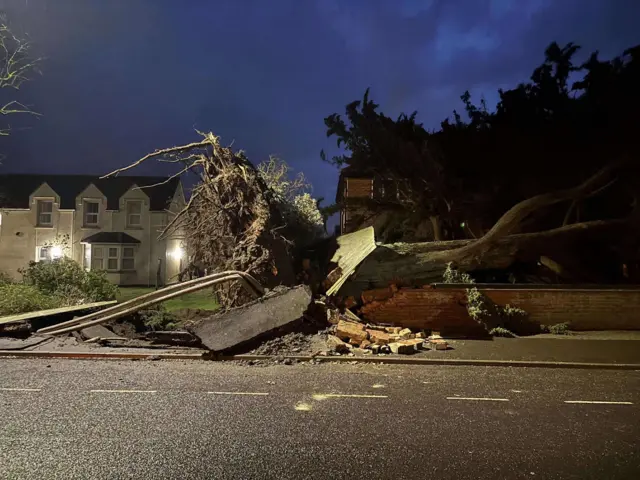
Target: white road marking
122, 391
479, 399
340, 395
379, 385
516, 391
303, 407
238, 393
20, 389
596, 402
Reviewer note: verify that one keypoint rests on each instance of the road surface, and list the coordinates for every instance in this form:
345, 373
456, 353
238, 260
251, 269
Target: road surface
184, 420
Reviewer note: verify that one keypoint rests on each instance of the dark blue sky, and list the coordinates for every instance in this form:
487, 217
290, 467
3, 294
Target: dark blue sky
124, 77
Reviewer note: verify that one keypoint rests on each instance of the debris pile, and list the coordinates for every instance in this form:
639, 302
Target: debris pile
349, 337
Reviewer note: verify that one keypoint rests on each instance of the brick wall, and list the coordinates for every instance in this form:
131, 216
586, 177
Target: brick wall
445, 309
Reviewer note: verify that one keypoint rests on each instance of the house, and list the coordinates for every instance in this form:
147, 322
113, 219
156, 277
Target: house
366, 200
110, 224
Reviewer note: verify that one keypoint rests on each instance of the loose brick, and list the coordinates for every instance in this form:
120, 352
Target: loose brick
351, 331
378, 337
405, 334
401, 348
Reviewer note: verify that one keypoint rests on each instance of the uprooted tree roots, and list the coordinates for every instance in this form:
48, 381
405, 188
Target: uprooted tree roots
232, 220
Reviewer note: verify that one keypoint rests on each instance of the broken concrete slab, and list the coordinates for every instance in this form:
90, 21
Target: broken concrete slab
276, 309
97, 331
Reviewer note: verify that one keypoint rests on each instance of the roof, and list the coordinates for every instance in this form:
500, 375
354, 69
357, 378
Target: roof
15, 189
353, 248
110, 237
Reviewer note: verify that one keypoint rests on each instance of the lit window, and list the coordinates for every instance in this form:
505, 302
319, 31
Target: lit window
134, 213
45, 213
91, 211
112, 260
97, 258
44, 254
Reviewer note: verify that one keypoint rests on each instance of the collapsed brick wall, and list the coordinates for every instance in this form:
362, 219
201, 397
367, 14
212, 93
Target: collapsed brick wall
445, 309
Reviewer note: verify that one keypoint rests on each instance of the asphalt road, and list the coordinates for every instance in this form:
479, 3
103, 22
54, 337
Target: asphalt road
182, 420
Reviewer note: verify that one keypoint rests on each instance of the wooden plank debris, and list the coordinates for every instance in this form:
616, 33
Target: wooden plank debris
53, 311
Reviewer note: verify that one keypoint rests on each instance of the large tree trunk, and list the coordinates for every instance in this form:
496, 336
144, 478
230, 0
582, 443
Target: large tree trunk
498, 249
422, 263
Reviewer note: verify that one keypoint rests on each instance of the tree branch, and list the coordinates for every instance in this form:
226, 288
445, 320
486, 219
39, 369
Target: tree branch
512, 218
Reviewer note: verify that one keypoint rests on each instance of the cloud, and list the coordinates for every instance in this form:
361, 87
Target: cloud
125, 77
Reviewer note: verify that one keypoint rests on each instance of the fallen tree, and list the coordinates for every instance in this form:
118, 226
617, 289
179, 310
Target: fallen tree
560, 159
233, 219
421, 263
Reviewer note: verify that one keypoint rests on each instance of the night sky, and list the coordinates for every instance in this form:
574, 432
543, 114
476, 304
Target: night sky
124, 77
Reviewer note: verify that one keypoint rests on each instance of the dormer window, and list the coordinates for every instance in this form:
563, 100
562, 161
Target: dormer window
45, 213
134, 213
91, 213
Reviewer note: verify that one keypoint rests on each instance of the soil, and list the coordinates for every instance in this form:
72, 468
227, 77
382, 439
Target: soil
295, 343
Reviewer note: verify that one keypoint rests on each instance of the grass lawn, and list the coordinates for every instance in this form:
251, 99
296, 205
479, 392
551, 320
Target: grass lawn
202, 300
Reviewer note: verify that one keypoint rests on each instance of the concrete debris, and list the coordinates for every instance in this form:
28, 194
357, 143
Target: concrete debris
337, 345
97, 331
234, 327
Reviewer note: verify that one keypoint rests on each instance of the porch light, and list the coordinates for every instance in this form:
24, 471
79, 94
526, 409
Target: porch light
56, 252
177, 254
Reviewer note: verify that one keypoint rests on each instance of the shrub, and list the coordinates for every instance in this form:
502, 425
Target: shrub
453, 275
67, 278
501, 332
18, 298
559, 329
5, 278
158, 318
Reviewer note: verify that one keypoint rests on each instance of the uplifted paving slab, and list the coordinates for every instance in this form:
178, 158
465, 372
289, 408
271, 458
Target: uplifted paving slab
243, 324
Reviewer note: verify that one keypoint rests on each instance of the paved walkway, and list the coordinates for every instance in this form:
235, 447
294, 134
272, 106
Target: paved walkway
588, 347
579, 348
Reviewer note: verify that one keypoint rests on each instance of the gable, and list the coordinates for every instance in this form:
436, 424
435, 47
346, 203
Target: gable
45, 191
92, 192
16, 189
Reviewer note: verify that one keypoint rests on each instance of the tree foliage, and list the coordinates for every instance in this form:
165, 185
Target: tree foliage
294, 195
544, 135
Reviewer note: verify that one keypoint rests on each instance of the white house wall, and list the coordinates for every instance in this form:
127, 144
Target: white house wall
19, 235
